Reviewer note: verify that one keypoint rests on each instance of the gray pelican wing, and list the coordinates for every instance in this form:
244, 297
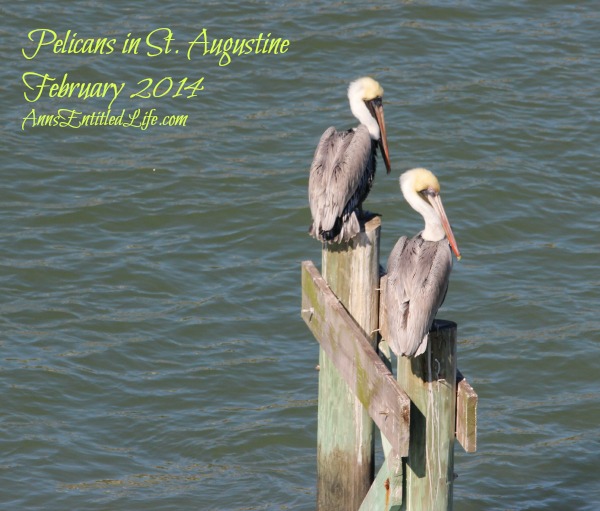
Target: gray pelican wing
335, 175
418, 275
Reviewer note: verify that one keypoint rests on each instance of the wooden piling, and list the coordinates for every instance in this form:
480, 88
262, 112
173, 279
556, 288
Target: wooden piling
430, 382
345, 433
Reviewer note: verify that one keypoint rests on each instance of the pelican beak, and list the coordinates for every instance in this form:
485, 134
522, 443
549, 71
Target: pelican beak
378, 108
436, 202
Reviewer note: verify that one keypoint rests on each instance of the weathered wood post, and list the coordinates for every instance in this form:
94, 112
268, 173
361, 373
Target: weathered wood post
418, 414
429, 381
345, 433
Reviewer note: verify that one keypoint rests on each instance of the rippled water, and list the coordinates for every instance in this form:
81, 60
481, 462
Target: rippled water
153, 356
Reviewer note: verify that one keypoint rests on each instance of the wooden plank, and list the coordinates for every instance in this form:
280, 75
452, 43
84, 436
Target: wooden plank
348, 347
430, 382
466, 414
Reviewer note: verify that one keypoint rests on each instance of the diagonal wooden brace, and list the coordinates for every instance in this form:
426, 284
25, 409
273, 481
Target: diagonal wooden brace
348, 347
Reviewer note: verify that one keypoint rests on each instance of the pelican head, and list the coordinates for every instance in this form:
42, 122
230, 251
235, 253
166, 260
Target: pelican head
365, 96
421, 189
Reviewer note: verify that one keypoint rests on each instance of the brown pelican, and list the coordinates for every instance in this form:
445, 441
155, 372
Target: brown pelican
343, 167
419, 268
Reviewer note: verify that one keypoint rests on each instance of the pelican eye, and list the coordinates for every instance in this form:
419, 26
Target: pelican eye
372, 104
378, 101
428, 193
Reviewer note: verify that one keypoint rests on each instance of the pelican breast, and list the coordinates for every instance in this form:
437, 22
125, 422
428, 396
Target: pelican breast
418, 275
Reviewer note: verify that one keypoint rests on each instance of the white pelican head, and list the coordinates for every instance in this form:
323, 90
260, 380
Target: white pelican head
421, 189
365, 96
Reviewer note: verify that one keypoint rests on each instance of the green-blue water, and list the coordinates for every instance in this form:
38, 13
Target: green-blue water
153, 355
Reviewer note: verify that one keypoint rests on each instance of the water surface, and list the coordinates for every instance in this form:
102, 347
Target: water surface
153, 356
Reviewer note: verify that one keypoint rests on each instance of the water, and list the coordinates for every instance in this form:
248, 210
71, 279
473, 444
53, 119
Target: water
153, 356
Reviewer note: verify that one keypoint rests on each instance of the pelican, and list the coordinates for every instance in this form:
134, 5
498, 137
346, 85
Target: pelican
419, 268
343, 167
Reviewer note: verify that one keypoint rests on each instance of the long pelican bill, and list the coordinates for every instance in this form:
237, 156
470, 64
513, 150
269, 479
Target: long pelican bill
436, 202
378, 107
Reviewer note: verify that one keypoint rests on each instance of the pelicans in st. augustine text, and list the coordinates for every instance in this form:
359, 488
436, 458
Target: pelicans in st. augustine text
419, 268
343, 167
